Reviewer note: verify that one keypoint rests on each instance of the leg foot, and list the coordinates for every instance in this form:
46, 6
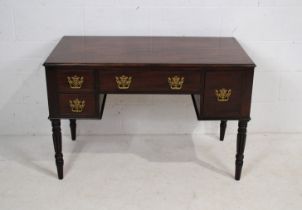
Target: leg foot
57, 142
73, 127
223, 125
241, 139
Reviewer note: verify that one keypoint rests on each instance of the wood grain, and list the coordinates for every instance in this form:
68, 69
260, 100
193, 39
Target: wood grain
89, 50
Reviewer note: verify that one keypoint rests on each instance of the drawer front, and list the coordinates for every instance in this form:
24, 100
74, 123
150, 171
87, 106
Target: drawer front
77, 105
222, 94
75, 80
150, 81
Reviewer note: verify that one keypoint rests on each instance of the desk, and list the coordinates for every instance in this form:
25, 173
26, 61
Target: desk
216, 72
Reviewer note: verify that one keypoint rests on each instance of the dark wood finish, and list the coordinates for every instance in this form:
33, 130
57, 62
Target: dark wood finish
89, 109
241, 140
52, 93
88, 80
193, 51
246, 96
215, 81
149, 81
57, 142
223, 125
206, 64
73, 129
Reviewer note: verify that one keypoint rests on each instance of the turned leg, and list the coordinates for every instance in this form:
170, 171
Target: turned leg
241, 139
57, 141
73, 127
223, 125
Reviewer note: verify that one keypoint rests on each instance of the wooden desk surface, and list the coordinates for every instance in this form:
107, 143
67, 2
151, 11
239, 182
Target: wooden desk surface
90, 50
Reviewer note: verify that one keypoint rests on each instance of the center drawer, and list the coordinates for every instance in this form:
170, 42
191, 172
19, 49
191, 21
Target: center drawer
150, 81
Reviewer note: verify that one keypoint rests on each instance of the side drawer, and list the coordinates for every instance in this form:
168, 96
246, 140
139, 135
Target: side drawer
75, 80
222, 94
75, 105
150, 81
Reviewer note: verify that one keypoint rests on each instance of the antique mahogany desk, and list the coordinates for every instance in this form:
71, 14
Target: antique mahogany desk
216, 72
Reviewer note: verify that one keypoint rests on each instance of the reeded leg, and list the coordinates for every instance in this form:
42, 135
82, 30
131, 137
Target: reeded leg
223, 125
57, 141
73, 127
241, 139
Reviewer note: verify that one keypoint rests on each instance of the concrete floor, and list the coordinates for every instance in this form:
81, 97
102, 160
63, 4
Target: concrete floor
143, 172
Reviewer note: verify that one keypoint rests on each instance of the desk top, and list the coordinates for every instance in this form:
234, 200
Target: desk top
93, 50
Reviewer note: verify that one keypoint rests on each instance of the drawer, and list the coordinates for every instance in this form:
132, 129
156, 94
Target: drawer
77, 105
222, 94
150, 81
75, 80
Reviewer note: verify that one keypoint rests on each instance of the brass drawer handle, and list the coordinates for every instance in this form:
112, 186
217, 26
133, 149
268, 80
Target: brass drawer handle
223, 94
123, 82
176, 82
75, 82
76, 105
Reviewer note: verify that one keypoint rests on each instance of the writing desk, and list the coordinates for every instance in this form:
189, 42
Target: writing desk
216, 72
